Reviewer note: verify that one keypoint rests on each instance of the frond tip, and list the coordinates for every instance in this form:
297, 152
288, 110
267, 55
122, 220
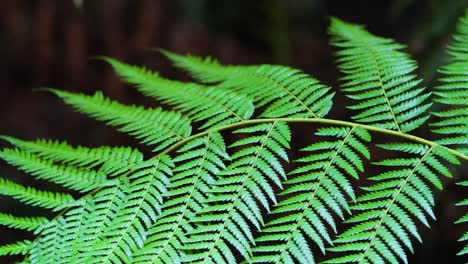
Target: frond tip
379, 77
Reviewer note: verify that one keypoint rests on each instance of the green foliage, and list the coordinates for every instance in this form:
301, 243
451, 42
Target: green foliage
284, 91
200, 161
452, 123
201, 200
151, 126
378, 76
215, 105
32, 196
384, 213
318, 189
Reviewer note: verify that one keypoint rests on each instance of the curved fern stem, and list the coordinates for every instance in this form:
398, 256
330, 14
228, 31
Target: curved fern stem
319, 121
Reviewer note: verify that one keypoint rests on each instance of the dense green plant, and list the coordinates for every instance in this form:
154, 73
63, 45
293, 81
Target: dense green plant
198, 201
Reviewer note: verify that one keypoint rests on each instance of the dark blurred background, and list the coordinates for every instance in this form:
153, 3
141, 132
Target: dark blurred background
49, 43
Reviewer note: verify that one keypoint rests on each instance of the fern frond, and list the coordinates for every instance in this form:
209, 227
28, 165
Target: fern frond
55, 236
382, 219
150, 126
99, 211
452, 93
48, 246
75, 178
463, 220
18, 248
25, 223
286, 91
317, 191
379, 77
73, 224
114, 160
196, 165
136, 213
109, 225
232, 207
34, 197
192, 202
217, 106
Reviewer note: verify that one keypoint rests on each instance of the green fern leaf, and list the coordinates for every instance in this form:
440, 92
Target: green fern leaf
114, 160
192, 202
195, 168
25, 223
17, 248
383, 225
380, 78
34, 197
318, 190
151, 126
47, 248
136, 212
75, 178
232, 205
215, 105
58, 235
287, 92
452, 93
99, 211
111, 238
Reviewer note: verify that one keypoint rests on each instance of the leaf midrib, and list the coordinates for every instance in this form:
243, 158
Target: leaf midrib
379, 75
231, 210
390, 204
187, 200
282, 87
311, 197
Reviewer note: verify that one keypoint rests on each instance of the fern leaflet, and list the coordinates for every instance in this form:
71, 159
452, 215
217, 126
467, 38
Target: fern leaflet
34, 197
463, 220
308, 205
452, 124
216, 106
113, 160
379, 77
75, 178
383, 215
287, 92
25, 223
151, 126
17, 248
225, 218
197, 165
